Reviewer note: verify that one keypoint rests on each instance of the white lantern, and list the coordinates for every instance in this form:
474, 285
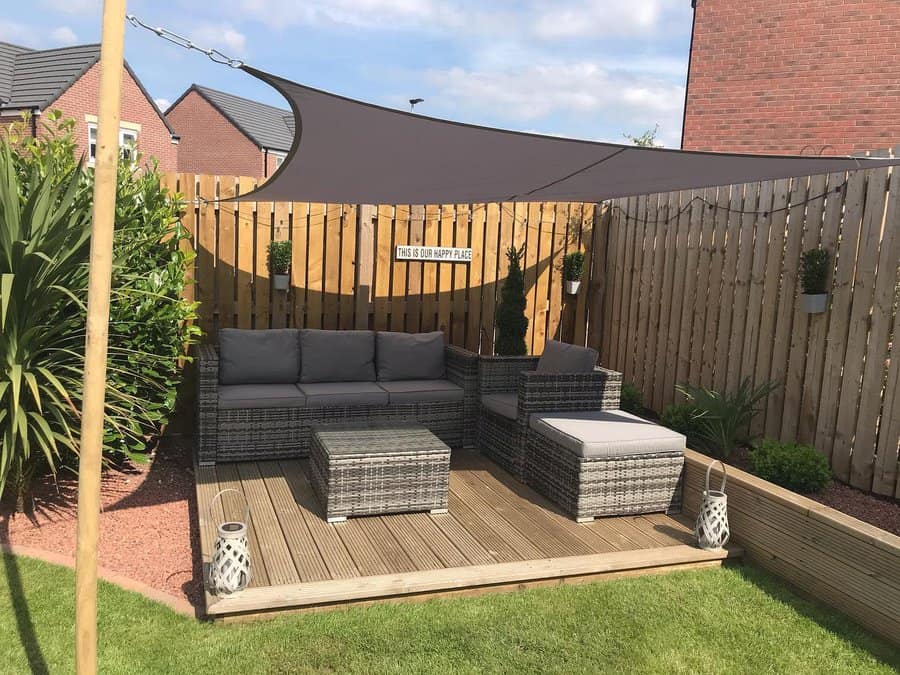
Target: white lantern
229, 569
711, 529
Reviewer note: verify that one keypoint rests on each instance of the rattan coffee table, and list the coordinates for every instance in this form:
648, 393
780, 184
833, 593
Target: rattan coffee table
378, 468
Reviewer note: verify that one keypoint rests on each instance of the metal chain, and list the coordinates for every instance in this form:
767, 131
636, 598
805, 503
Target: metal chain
214, 54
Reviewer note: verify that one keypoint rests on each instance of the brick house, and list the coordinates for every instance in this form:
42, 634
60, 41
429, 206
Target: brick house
229, 135
68, 80
794, 76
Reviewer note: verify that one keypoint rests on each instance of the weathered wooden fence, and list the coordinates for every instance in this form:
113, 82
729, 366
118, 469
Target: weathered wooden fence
344, 273
703, 287
699, 287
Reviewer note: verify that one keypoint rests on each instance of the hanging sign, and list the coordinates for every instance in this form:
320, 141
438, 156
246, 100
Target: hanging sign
434, 254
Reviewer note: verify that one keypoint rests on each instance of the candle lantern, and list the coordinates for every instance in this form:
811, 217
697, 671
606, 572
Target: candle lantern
229, 569
711, 529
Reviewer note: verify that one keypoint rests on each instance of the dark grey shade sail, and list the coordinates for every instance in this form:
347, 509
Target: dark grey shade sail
346, 151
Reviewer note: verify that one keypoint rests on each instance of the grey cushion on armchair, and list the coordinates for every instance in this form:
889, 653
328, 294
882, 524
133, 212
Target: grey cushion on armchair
560, 357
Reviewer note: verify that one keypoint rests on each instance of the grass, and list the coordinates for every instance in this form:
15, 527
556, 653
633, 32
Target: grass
731, 620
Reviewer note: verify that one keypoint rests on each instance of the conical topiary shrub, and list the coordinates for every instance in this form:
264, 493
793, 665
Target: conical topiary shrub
511, 320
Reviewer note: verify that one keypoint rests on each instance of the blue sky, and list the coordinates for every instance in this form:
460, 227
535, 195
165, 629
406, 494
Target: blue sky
585, 68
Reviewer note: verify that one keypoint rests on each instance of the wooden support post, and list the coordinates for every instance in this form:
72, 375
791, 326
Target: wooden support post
111, 60
365, 264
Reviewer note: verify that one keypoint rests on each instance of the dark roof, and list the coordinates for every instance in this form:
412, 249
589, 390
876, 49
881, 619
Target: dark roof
33, 79
266, 125
37, 78
8, 54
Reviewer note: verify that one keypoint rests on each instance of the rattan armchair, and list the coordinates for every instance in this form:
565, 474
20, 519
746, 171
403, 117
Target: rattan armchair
502, 437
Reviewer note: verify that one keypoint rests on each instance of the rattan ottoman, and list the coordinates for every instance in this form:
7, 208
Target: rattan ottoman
360, 469
604, 463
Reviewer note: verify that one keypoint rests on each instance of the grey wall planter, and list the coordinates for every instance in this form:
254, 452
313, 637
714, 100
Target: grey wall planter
572, 286
814, 303
281, 282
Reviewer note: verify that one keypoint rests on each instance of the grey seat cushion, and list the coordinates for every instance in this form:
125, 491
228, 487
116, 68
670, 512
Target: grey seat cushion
502, 404
422, 391
328, 394
259, 356
409, 356
337, 355
560, 357
243, 396
606, 433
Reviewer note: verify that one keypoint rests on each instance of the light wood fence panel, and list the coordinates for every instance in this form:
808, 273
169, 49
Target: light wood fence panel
717, 274
344, 273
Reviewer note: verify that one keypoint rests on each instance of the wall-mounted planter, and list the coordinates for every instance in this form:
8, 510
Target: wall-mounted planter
814, 303
572, 287
281, 282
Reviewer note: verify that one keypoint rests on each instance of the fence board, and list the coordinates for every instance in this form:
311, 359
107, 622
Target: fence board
718, 291
299, 262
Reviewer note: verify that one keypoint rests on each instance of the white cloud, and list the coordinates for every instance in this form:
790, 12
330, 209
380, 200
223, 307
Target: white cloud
599, 18
582, 91
222, 36
18, 33
73, 6
64, 36
355, 13
162, 103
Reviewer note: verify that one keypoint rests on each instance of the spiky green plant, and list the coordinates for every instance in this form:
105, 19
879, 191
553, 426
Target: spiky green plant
512, 324
44, 240
724, 418
45, 217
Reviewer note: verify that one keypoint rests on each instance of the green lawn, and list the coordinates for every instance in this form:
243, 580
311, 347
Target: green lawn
716, 621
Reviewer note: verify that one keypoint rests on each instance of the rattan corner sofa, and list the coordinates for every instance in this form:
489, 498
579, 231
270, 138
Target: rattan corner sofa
259, 392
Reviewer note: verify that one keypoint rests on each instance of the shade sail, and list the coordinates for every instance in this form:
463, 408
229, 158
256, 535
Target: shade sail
347, 151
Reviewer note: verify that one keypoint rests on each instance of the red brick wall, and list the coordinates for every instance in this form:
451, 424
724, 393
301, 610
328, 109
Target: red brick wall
154, 139
210, 143
778, 76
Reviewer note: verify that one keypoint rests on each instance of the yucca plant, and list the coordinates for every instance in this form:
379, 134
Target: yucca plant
44, 239
45, 216
723, 419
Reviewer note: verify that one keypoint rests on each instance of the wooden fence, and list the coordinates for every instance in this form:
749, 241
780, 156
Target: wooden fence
703, 287
344, 273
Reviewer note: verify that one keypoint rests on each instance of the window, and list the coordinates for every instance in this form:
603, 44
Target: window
92, 144
279, 158
127, 143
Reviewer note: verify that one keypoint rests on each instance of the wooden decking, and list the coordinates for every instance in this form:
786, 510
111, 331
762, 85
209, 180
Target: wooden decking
499, 534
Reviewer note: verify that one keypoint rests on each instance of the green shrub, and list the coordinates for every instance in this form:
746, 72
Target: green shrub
814, 271
631, 399
685, 419
725, 418
796, 467
512, 324
279, 257
573, 266
45, 218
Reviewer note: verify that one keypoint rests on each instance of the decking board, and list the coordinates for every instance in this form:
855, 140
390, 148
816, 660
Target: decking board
498, 535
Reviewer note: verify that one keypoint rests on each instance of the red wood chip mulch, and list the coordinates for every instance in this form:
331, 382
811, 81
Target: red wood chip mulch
148, 527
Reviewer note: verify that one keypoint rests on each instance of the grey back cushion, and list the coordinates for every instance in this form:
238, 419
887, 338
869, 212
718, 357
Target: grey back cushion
560, 357
259, 356
410, 356
337, 355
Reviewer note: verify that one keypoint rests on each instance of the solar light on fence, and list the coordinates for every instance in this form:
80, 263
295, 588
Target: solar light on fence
229, 569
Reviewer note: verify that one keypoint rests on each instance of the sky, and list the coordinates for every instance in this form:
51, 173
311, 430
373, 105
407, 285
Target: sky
592, 69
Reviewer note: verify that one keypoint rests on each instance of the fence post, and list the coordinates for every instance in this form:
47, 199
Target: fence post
365, 257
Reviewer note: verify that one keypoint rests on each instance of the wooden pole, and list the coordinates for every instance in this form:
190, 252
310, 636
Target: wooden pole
111, 62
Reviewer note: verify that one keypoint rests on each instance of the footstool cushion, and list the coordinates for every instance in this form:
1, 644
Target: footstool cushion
604, 463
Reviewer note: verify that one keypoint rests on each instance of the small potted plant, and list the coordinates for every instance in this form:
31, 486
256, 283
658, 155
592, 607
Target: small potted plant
814, 280
279, 264
573, 268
